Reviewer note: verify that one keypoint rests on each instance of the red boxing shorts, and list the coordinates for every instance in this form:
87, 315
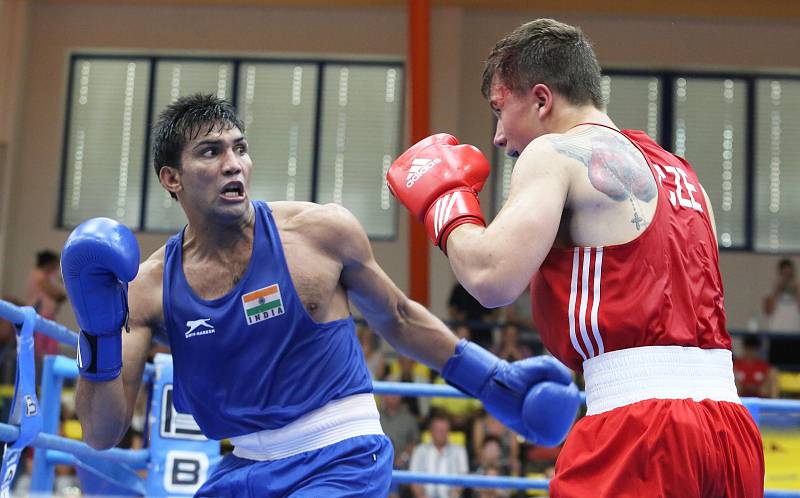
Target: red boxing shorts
641, 437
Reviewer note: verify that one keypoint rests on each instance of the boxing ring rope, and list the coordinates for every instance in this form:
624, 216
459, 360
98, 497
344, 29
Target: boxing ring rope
62, 334
61, 450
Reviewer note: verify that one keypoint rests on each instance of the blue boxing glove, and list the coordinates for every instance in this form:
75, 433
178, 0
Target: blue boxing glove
99, 258
534, 397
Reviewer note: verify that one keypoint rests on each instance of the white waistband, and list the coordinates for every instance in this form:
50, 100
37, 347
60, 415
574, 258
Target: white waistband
340, 419
619, 378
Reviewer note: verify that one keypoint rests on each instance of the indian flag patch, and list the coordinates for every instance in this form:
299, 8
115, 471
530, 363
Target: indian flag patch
262, 304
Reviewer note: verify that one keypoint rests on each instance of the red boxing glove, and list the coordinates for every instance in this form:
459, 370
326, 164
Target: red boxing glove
438, 181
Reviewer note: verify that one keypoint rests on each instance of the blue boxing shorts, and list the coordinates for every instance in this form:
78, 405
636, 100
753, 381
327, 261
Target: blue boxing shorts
360, 466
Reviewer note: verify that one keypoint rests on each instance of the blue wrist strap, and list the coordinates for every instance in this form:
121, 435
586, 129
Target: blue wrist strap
25, 406
469, 368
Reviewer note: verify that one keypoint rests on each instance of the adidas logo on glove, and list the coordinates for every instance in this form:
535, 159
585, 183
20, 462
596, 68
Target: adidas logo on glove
419, 167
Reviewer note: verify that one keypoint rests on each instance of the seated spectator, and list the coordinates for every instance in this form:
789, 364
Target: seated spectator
486, 428
401, 427
753, 375
372, 353
509, 348
462, 307
462, 331
490, 455
520, 312
492, 492
8, 349
460, 411
45, 292
540, 461
782, 304
439, 456
405, 369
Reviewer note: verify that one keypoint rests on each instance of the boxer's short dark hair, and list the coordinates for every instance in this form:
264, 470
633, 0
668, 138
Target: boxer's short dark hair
549, 52
186, 119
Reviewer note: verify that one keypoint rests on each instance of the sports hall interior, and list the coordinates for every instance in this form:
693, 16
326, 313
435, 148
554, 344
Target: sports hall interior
745, 48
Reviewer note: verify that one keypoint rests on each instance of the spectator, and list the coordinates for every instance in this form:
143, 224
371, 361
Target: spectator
486, 428
45, 292
782, 305
492, 492
540, 461
438, 457
372, 353
491, 455
462, 331
463, 307
460, 411
520, 312
405, 369
8, 351
401, 427
509, 347
754, 376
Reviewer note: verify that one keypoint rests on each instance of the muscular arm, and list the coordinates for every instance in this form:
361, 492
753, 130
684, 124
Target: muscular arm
407, 325
105, 409
496, 263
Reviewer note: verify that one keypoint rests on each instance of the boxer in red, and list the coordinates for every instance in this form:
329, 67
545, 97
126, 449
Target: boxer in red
616, 238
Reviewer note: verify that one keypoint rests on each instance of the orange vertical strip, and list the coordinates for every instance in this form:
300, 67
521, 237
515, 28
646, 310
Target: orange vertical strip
419, 91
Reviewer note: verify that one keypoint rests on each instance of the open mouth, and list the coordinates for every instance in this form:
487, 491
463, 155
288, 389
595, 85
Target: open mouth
233, 191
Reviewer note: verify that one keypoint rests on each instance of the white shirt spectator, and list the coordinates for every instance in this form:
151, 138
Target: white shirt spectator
785, 317
451, 459
782, 304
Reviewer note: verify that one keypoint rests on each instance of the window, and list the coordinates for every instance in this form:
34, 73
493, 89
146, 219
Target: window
358, 141
710, 132
105, 140
777, 165
319, 131
279, 105
633, 102
501, 177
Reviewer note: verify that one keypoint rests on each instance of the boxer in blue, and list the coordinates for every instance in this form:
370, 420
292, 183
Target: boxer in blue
254, 301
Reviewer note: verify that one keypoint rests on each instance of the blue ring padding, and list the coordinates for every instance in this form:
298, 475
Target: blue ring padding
62, 334
114, 473
25, 409
134, 458
47, 327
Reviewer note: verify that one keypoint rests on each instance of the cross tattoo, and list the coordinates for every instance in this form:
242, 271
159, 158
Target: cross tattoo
637, 219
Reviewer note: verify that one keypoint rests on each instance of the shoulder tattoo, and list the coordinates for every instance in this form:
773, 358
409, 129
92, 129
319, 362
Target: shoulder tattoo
614, 165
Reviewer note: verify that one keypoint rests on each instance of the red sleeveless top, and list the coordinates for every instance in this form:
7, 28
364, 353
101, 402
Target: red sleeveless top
661, 289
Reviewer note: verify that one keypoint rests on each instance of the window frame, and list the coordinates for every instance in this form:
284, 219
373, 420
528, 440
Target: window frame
236, 61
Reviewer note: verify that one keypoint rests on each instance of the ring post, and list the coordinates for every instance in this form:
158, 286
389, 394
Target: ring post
181, 457
43, 473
